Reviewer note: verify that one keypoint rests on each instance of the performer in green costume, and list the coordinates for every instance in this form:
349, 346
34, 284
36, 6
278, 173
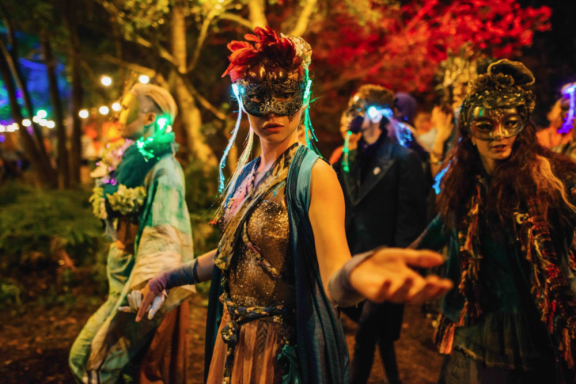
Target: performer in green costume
140, 196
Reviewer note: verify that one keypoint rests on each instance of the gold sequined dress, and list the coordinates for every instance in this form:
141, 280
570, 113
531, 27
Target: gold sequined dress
261, 274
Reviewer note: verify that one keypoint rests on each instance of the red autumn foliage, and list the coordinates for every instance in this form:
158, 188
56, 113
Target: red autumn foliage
401, 47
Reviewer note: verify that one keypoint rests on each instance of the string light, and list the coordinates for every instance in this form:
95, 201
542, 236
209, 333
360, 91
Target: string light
84, 113
26, 122
2, 128
144, 79
116, 106
42, 114
104, 110
43, 122
50, 124
106, 81
36, 119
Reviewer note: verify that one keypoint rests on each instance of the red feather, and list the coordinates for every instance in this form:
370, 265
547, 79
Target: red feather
279, 51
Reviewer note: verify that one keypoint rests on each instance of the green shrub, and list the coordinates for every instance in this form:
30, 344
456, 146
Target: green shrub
35, 223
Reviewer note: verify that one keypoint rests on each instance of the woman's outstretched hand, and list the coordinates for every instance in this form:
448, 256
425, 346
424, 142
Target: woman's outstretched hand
144, 301
387, 276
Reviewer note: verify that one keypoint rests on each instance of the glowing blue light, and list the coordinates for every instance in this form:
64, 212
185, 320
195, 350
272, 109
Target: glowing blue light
236, 90
438, 178
373, 112
567, 125
307, 93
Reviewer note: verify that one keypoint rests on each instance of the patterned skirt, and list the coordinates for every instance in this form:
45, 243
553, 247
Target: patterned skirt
255, 356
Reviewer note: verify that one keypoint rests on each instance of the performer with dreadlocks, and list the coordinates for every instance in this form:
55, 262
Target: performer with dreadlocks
140, 196
283, 263
506, 210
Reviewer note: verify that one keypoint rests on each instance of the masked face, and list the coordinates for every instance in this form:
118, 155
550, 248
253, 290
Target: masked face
495, 124
358, 110
284, 98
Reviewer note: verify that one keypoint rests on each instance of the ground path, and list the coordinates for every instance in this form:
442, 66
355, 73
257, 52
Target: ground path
34, 344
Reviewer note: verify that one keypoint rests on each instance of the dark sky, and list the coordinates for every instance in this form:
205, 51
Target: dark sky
552, 57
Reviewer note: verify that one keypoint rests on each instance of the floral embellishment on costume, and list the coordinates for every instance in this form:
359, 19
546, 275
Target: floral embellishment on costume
127, 201
111, 158
99, 203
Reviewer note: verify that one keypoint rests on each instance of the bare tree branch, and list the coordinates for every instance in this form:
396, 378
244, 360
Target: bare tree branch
205, 103
240, 20
257, 13
304, 19
203, 34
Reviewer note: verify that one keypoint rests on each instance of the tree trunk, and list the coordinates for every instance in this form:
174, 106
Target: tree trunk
188, 109
257, 13
62, 165
77, 94
42, 170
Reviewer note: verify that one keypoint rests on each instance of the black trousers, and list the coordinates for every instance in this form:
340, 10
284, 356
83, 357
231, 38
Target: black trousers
378, 324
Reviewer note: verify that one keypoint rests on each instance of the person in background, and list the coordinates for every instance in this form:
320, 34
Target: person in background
422, 124
549, 137
140, 197
385, 191
346, 134
405, 108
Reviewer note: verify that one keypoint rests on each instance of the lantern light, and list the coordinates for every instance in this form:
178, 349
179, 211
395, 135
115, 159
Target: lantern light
106, 81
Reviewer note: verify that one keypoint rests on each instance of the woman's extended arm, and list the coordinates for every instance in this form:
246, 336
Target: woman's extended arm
197, 271
384, 275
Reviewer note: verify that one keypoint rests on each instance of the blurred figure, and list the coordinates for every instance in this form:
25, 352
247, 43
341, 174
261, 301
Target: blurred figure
550, 137
139, 195
405, 108
385, 190
422, 123
352, 139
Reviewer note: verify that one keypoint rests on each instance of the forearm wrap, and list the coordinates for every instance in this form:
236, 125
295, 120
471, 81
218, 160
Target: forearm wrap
341, 291
185, 275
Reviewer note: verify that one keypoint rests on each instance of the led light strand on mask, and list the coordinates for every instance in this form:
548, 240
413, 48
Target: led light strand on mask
567, 125
308, 128
222, 183
346, 151
373, 112
160, 129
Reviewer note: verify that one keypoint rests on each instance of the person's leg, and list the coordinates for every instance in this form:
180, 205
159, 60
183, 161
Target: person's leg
366, 338
80, 350
388, 355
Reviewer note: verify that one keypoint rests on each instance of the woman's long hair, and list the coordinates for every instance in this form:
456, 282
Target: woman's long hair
531, 171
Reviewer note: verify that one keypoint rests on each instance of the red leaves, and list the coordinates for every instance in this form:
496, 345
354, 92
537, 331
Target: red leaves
265, 44
401, 48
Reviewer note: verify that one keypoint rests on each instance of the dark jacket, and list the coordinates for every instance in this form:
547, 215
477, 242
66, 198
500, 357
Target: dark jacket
389, 206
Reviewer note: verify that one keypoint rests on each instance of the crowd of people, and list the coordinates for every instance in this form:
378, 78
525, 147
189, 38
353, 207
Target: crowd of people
467, 204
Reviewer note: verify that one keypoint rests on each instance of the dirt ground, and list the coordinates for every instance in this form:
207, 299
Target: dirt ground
34, 345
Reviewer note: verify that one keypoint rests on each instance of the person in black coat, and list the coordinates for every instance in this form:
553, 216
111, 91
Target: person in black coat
385, 191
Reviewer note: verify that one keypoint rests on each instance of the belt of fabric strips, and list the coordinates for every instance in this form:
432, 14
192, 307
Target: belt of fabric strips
240, 315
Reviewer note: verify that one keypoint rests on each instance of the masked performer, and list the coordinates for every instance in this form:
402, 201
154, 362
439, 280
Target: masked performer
140, 196
507, 213
283, 262
385, 191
